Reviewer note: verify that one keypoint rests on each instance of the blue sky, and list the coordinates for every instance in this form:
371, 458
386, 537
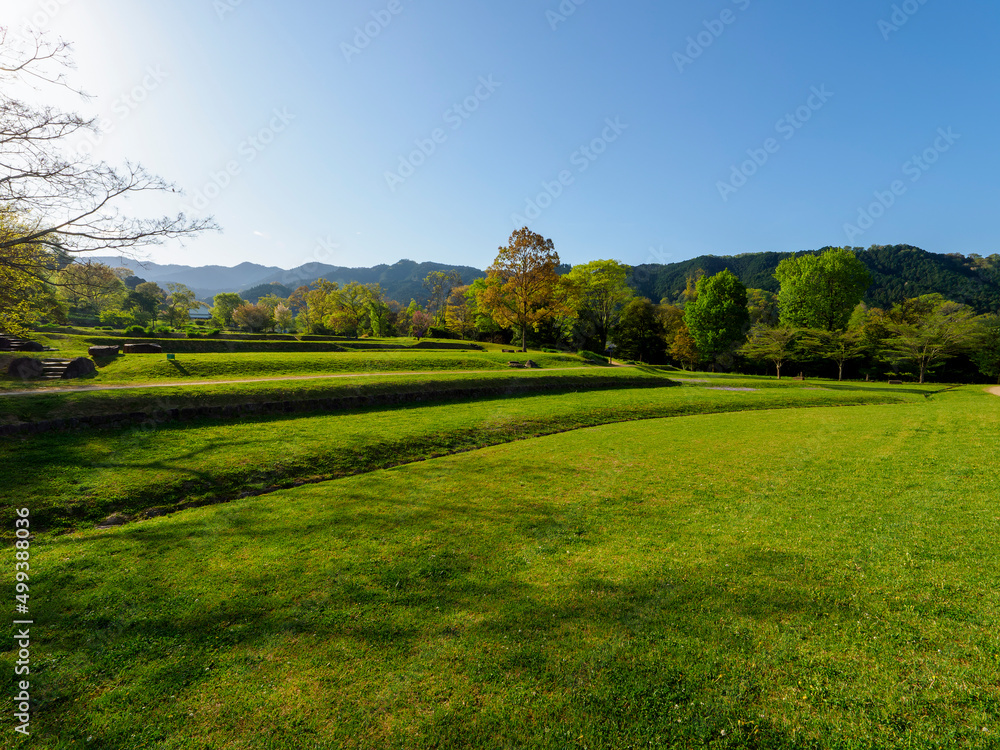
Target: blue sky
357, 133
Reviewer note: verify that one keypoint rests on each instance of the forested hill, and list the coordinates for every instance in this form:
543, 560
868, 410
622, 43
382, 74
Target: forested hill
898, 272
402, 281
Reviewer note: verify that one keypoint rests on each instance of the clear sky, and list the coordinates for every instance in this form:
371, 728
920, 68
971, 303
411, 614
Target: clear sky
365, 131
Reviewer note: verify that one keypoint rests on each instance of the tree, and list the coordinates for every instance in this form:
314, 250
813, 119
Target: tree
149, 298
24, 293
821, 291
439, 285
283, 318
321, 303
460, 313
639, 333
987, 353
485, 325
180, 303
70, 203
837, 346
90, 286
684, 349
763, 307
672, 319
774, 345
521, 283
349, 311
254, 318
931, 330
420, 322
379, 310
601, 292
718, 317
222, 309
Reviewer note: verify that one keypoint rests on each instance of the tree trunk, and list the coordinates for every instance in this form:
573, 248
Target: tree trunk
840, 372
524, 338
778, 368
923, 368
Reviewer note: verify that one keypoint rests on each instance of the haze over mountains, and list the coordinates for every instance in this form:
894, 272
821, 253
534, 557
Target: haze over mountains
898, 272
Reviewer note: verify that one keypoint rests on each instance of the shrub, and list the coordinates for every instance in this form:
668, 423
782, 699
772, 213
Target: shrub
135, 331
436, 332
205, 335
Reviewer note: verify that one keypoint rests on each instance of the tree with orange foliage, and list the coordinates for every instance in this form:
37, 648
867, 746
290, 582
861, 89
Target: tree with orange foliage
521, 285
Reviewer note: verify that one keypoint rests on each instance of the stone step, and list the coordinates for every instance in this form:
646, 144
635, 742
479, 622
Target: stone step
53, 369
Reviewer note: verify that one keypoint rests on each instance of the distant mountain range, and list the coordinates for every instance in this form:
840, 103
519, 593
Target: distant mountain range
898, 272
401, 281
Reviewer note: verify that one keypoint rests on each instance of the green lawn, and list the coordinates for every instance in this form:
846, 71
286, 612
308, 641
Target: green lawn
150, 368
84, 475
155, 399
823, 577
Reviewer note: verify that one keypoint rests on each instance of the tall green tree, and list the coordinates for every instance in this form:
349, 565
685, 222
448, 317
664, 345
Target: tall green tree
931, 330
522, 284
439, 285
180, 303
821, 291
987, 353
717, 317
601, 292
90, 286
639, 333
149, 300
222, 309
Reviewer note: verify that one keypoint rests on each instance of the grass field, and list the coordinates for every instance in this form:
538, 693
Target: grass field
152, 368
801, 577
78, 476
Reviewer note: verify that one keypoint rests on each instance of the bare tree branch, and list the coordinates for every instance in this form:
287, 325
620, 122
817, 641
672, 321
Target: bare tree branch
65, 201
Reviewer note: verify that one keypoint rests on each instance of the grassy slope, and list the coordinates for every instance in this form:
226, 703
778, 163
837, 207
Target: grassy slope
801, 578
150, 368
155, 398
79, 476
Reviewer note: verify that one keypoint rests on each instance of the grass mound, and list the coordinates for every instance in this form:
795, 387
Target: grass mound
81, 477
821, 578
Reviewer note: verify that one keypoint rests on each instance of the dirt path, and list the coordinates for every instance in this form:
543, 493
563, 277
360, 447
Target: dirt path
182, 383
995, 390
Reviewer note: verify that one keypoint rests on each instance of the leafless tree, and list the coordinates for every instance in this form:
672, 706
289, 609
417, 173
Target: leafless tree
66, 202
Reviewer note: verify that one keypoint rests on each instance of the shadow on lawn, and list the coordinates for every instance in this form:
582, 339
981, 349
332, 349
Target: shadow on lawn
614, 663
886, 389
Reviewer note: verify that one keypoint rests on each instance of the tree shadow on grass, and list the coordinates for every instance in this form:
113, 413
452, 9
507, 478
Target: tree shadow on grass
896, 389
613, 662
